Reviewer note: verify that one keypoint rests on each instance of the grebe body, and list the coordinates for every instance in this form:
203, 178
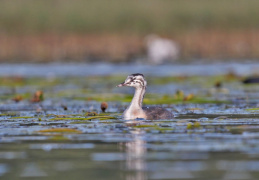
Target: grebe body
135, 110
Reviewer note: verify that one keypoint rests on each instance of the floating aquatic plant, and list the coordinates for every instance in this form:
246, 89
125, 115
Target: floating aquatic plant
38, 96
91, 114
59, 130
17, 98
193, 125
87, 118
22, 117
104, 106
252, 109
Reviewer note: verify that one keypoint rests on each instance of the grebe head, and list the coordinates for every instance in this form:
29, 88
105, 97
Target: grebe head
134, 80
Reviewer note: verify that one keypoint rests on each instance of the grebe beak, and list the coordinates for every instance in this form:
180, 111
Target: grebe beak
121, 84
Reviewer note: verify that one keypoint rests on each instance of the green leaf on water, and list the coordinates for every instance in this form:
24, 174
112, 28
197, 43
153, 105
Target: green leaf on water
88, 118
252, 109
59, 130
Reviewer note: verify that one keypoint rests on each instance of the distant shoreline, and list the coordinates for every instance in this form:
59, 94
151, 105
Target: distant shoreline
121, 48
115, 31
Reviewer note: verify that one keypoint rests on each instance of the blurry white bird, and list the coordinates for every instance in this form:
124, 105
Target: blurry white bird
161, 49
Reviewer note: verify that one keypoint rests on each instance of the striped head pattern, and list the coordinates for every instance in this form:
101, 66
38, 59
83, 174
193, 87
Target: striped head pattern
134, 80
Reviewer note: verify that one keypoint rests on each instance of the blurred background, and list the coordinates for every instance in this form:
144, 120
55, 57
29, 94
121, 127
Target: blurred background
148, 31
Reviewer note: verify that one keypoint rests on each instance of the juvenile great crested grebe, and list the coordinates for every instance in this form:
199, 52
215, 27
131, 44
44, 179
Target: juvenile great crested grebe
135, 109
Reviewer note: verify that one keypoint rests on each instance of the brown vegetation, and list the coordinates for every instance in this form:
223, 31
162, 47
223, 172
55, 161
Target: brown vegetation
218, 44
53, 47
50, 47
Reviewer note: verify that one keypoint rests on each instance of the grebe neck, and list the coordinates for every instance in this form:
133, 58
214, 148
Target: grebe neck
135, 108
138, 98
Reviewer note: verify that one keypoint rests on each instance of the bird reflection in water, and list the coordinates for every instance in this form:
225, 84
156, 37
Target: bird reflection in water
135, 156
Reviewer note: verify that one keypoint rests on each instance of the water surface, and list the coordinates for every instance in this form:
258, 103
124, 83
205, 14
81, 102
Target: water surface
214, 135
